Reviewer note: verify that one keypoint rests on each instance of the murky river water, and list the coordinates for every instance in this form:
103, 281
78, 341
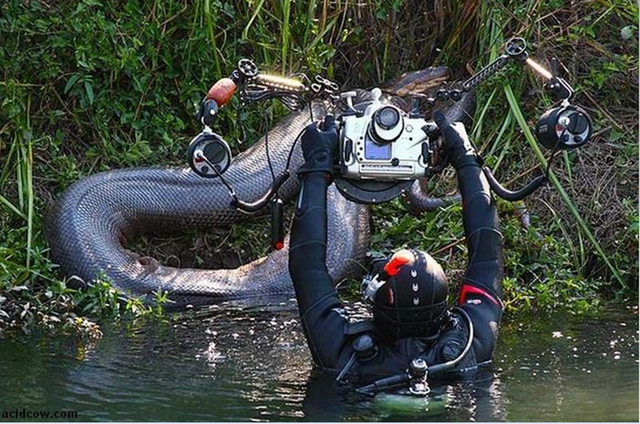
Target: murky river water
254, 365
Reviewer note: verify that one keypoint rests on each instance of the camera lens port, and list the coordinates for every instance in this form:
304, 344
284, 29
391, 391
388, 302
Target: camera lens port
387, 124
387, 117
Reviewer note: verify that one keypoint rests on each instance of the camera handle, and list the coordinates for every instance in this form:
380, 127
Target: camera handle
509, 195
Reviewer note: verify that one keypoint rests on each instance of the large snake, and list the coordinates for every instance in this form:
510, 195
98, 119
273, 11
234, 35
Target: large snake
88, 225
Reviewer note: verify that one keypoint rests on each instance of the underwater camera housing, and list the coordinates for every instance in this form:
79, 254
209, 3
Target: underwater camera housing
382, 143
383, 149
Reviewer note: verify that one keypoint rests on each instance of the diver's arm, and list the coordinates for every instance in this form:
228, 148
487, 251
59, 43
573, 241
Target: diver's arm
308, 250
481, 292
482, 230
323, 318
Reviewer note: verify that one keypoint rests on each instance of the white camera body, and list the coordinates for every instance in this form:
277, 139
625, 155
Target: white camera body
383, 143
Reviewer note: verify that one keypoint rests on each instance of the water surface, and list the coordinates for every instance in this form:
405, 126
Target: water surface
253, 365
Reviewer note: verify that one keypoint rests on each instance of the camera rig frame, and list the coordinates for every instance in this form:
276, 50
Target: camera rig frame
560, 128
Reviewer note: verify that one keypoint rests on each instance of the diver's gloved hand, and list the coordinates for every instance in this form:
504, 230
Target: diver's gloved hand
460, 152
320, 146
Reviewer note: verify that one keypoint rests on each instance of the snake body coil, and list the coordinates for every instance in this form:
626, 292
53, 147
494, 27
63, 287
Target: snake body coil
87, 226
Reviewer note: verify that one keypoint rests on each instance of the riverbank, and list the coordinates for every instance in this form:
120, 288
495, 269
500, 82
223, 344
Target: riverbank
89, 86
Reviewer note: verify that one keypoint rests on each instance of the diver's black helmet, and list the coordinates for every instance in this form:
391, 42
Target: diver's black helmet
408, 293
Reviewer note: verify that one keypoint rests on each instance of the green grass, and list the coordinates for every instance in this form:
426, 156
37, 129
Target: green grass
92, 85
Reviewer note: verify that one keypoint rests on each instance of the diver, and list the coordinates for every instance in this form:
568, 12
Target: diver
408, 292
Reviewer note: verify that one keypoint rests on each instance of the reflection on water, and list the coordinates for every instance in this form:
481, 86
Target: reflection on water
239, 365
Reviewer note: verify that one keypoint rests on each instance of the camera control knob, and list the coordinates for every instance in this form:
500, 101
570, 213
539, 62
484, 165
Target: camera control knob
376, 95
348, 98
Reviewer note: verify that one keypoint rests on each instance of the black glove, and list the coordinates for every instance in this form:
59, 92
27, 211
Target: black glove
459, 150
320, 146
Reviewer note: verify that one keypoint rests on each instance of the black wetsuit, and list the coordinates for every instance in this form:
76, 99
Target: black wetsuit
326, 325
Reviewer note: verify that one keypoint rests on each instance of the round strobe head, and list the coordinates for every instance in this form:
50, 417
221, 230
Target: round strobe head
209, 155
564, 128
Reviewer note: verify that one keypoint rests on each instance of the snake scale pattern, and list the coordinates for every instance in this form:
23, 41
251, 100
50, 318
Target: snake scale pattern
87, 226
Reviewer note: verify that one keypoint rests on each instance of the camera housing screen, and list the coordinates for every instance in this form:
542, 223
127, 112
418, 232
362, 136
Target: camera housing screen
374, 151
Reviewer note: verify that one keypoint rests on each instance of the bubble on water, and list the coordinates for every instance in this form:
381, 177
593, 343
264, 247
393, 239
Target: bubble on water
616, 357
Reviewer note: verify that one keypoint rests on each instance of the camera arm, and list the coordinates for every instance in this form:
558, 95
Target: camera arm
209, 154
562, 128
